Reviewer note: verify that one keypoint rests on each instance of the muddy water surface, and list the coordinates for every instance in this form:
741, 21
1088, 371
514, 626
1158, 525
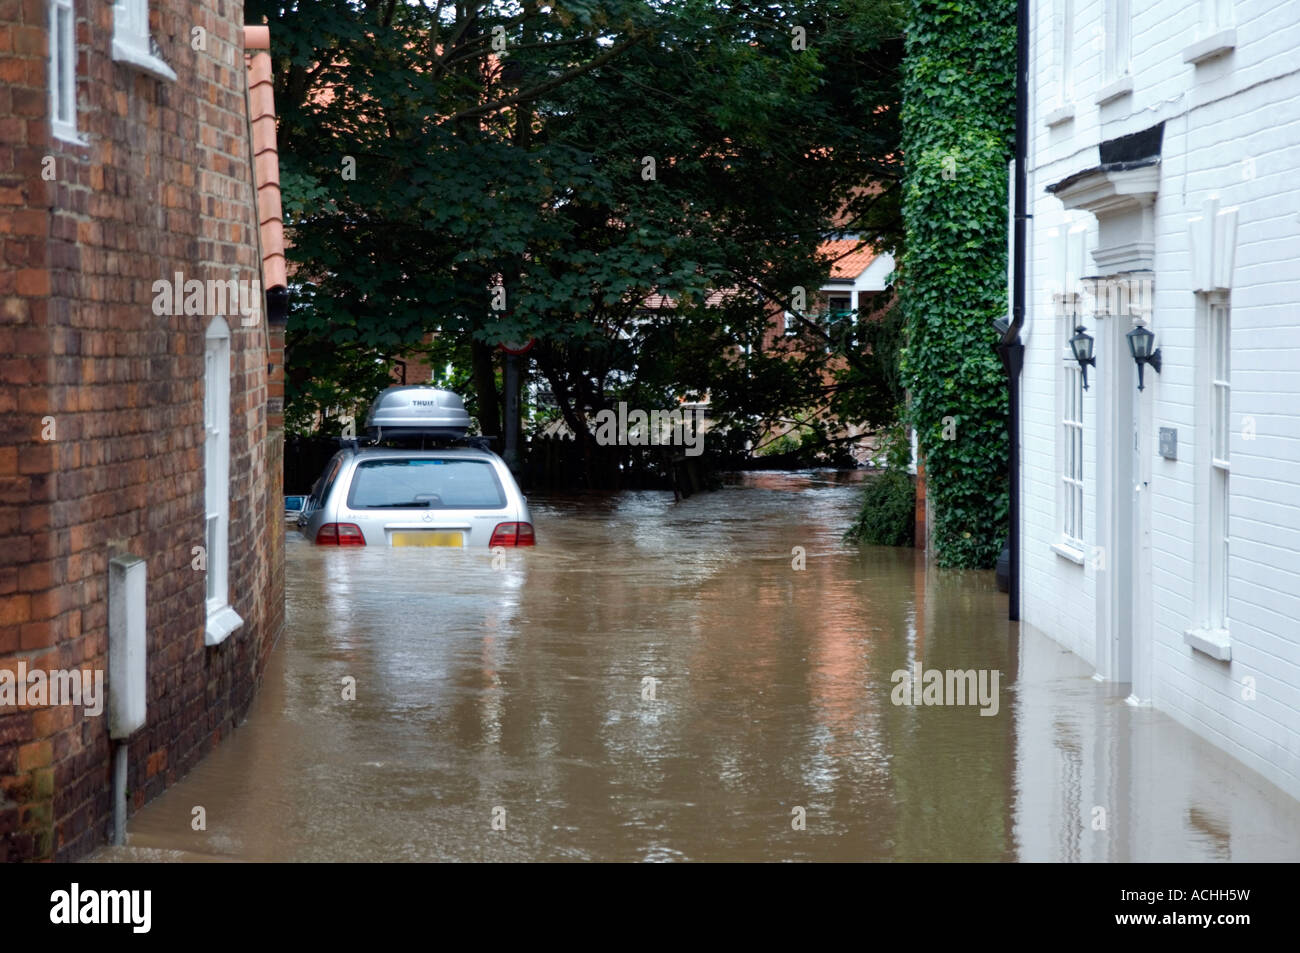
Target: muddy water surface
658, 680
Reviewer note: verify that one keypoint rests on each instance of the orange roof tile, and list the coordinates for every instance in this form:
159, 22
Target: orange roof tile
849, 260
266, 157
657, 301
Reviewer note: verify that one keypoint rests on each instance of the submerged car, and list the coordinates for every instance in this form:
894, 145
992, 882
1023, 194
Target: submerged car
454, 493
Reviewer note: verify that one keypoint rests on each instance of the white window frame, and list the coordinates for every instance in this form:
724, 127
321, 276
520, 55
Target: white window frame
1071, 470
63, 71
1219, 408
222, 620
132, 42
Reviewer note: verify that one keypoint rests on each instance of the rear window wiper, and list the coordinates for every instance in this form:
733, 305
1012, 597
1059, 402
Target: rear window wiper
414, 505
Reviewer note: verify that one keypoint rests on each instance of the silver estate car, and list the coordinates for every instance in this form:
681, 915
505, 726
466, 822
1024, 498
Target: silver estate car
451, 496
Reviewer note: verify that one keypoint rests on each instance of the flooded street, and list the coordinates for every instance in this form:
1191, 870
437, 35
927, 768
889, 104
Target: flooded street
658, 681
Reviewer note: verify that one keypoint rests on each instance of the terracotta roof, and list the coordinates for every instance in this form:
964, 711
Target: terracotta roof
851, 262
847, 262
656, 302
266, 157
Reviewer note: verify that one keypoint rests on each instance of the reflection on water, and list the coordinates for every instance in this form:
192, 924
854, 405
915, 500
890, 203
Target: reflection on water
657, 681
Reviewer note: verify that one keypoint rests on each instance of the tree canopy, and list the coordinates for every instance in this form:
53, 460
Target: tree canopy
487, 172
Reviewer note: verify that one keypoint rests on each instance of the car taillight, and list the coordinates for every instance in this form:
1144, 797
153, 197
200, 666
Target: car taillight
513, 534
340, 534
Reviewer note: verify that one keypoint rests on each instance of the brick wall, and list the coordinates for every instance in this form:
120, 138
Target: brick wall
163, 185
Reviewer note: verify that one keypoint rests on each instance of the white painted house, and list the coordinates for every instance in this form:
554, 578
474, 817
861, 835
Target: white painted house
858, 274
1160, 532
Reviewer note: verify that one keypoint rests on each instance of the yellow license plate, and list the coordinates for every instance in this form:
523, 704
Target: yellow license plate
429, 538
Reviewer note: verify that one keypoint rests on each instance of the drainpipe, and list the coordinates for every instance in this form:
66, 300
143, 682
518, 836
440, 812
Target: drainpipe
127, 661
1011, 350
119, 793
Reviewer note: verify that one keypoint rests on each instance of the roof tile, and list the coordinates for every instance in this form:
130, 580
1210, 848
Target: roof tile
266, 157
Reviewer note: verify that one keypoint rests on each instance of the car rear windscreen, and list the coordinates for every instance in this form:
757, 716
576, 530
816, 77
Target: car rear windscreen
426, 484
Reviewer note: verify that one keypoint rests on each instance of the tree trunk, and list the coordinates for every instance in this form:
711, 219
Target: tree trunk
485, 387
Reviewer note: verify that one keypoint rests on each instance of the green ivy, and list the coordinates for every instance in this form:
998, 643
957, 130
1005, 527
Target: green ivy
958, 122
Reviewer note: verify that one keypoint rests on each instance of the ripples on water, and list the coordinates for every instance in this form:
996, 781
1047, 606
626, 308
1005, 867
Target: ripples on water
524, 688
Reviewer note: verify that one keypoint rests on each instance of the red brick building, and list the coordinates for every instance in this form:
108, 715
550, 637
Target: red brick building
140, 361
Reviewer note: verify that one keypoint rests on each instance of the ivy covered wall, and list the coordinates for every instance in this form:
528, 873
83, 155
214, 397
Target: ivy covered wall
958, 136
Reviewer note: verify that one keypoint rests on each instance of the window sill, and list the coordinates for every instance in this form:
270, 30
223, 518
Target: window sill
142, 59
1060, 115
1215, 643
69, 135
1115, 89
1068, 552
221, 625
1214, 45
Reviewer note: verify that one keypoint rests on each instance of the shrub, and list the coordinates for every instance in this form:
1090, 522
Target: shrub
887, 516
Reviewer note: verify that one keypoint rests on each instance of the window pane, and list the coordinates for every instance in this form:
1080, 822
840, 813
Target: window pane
69, 65
1225, 345
1067, 508
1224, 422
1078, 454
56, 66
61, 70
426, 484
210, 537
320, 490
1078, 512
209, 366
1223, 597
1072, 451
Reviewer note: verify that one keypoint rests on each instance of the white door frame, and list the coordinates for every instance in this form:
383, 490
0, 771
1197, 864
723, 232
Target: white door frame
1123, 201
1123, 477
1115, 563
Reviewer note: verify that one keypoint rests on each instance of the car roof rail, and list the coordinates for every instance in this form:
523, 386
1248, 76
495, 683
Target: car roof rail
416, 439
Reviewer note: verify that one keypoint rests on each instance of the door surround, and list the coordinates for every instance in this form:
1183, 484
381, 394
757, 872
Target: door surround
1121, 196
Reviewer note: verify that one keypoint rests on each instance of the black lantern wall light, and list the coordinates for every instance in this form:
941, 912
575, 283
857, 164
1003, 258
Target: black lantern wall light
1141, 344
1081, 345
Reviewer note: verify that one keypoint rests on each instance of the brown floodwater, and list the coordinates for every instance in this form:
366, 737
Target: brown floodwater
502, 709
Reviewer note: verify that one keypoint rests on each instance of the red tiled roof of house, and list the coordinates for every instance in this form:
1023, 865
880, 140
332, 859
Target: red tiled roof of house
266, 157
848, 262
656, 302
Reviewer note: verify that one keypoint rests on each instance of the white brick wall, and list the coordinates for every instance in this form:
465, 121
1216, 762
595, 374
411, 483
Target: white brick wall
1232, 128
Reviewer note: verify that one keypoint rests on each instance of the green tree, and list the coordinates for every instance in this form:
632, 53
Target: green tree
523, 167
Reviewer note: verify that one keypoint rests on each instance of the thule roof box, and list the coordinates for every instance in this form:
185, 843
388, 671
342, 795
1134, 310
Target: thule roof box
415, 411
